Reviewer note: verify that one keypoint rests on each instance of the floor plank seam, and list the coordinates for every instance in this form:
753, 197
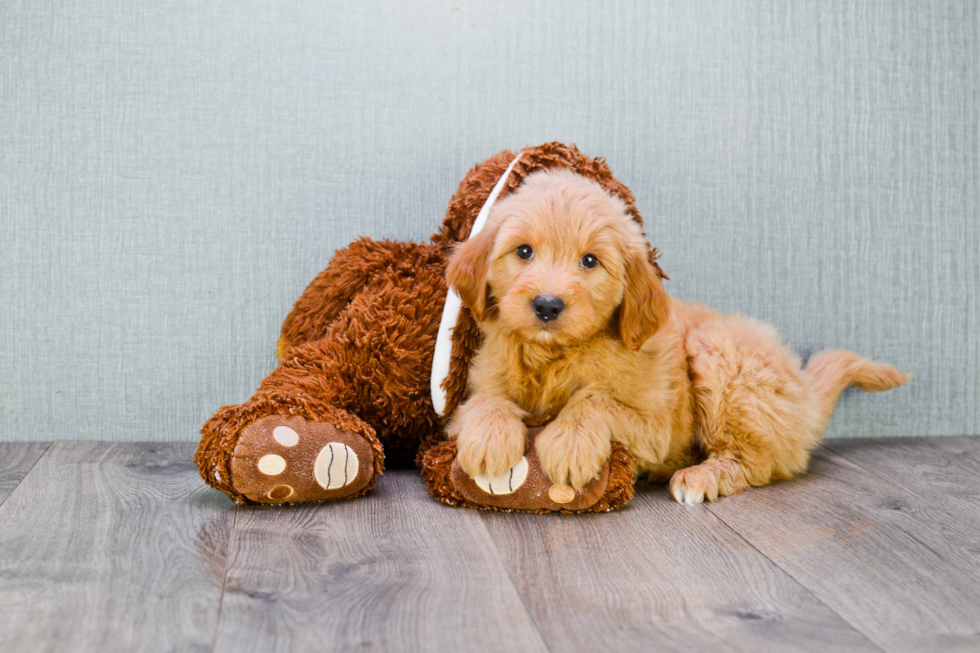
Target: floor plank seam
806, 589
224, 580
28, 473
510, 579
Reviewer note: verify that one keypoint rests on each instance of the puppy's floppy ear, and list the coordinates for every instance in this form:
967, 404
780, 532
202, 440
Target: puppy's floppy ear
467, 271
646, 306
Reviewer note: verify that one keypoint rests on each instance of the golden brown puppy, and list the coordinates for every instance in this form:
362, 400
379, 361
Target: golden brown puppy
577, 324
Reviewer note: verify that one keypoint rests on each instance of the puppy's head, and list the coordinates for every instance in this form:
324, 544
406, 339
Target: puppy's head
559, 261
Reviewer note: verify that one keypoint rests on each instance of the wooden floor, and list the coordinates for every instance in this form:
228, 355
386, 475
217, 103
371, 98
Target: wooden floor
121, 547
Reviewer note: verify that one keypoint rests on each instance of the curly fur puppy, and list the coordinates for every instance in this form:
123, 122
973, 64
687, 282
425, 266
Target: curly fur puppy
577, 324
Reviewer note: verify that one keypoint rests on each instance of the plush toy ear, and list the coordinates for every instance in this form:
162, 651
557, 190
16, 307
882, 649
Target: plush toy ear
646, 306
467, 271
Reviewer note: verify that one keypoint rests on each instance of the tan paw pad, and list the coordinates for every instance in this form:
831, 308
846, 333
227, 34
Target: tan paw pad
285, 436
280, 493
272, 465
561, 494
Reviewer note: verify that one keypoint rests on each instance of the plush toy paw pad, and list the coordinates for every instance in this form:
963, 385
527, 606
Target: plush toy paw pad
289, 459
505, 483
526, 487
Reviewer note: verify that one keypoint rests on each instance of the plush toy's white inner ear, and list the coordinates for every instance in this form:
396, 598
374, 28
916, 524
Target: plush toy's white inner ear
450, 312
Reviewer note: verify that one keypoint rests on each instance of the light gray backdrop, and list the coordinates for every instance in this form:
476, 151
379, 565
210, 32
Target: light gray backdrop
173, 173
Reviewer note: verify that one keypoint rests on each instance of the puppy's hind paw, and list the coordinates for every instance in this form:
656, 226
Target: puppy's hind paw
692, 496
707, 481
693, 485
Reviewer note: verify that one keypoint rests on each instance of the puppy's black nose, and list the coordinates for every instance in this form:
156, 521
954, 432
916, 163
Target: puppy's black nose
547, 307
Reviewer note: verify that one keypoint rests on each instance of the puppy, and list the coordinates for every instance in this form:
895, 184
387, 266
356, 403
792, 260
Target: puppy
577, 324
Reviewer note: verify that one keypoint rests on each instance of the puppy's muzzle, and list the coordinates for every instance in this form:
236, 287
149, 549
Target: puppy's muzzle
547, 307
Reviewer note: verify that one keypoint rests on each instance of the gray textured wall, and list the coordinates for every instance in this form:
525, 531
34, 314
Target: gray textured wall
173, 173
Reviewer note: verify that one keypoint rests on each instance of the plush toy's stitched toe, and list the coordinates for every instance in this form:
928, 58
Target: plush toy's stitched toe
336, 466
506, 483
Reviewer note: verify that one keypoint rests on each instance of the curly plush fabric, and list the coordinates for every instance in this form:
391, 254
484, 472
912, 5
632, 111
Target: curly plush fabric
356, 350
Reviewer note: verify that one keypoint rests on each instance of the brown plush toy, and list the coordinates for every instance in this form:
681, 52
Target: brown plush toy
373, 361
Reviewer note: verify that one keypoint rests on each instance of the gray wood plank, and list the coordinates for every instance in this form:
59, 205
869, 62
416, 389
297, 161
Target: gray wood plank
966, 447
895, 565
659, 576
947, 480
16, 459
393, 570
945, 473
112, 548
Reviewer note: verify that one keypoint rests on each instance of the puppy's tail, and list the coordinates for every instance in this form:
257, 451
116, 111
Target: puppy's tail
833, 370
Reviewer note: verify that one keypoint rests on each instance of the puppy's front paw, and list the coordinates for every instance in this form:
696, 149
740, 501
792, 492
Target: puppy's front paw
572, 452
490, 440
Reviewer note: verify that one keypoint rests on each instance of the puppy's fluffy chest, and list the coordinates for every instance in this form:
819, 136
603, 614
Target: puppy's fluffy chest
538, 378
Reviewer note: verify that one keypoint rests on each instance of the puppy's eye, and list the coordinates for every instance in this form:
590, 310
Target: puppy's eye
589, 261
525, 252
